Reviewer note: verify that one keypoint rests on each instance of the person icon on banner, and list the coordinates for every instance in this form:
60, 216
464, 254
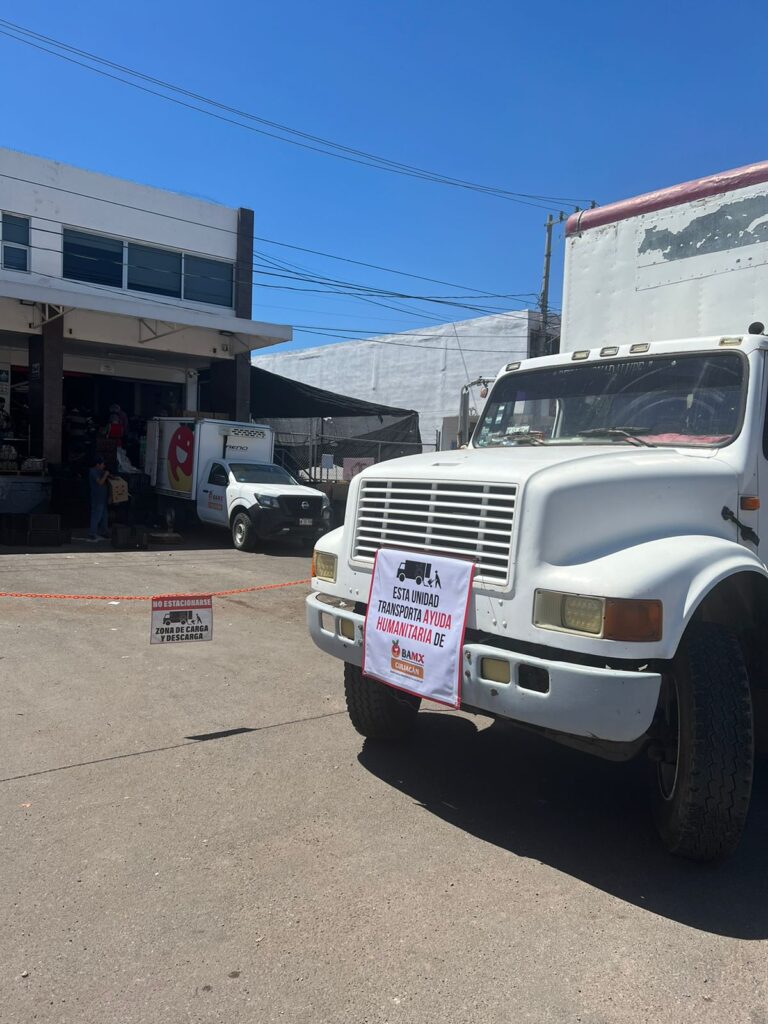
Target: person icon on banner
438, 585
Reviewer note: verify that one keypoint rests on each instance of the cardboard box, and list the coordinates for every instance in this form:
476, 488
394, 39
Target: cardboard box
118, 490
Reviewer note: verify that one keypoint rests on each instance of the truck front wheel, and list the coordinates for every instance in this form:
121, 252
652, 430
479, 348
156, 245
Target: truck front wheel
377, 711
243, 533
705, 757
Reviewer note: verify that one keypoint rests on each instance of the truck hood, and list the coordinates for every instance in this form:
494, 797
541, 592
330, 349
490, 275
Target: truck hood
578, 503
278, 490
516, 465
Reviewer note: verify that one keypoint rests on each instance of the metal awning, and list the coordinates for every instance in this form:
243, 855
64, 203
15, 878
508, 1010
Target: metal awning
40, 290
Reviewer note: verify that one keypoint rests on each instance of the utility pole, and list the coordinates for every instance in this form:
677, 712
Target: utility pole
544, 296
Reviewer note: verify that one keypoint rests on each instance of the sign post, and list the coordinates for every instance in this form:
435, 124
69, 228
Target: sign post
180, 618
414, 626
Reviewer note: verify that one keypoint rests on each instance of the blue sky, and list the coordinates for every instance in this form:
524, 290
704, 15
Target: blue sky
595, 100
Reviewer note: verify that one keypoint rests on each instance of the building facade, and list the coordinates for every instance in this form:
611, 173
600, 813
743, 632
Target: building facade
423, 369
112, 292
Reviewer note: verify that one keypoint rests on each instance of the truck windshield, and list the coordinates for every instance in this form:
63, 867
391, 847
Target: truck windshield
661, 400
253, 473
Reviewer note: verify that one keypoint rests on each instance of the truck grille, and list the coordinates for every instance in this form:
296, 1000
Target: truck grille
301, 505
471, 520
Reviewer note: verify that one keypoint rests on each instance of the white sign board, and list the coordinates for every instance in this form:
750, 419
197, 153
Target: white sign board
414, 626
351, 467
181, 617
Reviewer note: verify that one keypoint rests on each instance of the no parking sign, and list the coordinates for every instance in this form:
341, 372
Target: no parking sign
181, 618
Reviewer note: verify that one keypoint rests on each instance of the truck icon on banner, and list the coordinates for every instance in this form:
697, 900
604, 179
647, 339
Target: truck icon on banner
416, 571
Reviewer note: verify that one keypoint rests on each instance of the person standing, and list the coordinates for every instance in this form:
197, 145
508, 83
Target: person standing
5, 419
97, 478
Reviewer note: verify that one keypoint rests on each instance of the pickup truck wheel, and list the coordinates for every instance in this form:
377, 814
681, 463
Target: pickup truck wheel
704, 766
377, 711
243, 533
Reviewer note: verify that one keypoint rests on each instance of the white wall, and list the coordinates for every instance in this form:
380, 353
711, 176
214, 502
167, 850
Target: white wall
423, 372
53, 195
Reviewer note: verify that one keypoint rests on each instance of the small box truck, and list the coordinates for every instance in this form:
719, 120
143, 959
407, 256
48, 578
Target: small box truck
614, 501
222, 473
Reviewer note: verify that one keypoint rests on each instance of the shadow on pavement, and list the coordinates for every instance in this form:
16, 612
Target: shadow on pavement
199, 538
583, 816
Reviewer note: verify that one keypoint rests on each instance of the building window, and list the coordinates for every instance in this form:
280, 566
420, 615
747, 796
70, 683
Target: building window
207, 281
154, 270
98, 259
93, 258
14, 232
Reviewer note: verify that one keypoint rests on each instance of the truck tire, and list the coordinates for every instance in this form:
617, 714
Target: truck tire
377, 711
704, 766
243, 533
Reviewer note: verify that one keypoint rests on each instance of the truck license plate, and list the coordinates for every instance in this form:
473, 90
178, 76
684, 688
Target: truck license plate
305, 522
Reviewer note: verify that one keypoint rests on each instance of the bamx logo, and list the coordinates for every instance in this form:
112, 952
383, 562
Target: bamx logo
413, 657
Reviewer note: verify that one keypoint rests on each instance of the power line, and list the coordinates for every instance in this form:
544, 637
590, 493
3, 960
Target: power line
375, 266
186, 220
291, 135
358, 291
304, 328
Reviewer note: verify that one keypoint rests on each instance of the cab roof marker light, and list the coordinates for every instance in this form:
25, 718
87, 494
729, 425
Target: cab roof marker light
582, 353
512, 366
731, 341
641, 346
609, 350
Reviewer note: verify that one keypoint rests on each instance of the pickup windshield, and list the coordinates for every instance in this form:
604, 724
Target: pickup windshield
682, 400
252, 473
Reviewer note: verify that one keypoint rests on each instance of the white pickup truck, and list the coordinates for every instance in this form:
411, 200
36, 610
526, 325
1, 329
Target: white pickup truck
612, 499
223, 474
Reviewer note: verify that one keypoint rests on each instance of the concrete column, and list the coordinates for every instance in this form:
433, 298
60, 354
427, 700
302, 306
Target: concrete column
244, 265
46, 389
243, 386
230, 387
241, 379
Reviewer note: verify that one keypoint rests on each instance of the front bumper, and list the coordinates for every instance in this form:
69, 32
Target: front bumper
597, 703
272, 522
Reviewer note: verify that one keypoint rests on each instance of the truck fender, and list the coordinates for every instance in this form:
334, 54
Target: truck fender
238, 507
679, 571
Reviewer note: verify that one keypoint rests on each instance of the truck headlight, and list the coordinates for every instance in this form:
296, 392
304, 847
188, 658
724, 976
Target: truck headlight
268, 501
611, 618
324, 566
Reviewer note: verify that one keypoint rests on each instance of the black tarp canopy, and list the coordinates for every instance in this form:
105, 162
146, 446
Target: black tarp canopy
309, 422
272, 395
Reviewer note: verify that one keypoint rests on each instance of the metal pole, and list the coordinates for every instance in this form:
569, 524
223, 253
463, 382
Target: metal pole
544, 297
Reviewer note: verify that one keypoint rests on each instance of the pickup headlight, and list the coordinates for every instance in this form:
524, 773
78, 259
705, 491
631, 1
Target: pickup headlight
324, 566
610, 618
268, 501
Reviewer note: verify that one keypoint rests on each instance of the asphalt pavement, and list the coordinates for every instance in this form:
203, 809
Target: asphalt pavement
195, 832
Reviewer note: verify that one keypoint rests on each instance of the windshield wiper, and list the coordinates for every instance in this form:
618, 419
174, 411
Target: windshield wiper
628, 435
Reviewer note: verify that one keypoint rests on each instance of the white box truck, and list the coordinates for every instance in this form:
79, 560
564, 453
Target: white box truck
223, 474
613, 499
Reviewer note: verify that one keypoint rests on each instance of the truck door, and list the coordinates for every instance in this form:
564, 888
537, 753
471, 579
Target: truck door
212, 496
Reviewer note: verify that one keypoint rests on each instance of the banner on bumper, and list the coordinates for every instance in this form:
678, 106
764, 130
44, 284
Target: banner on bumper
414, 626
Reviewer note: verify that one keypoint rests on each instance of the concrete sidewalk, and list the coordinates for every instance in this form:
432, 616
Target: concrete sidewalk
196, 833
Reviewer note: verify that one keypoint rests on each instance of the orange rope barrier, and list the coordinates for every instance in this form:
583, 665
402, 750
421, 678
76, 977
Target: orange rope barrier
148, 597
